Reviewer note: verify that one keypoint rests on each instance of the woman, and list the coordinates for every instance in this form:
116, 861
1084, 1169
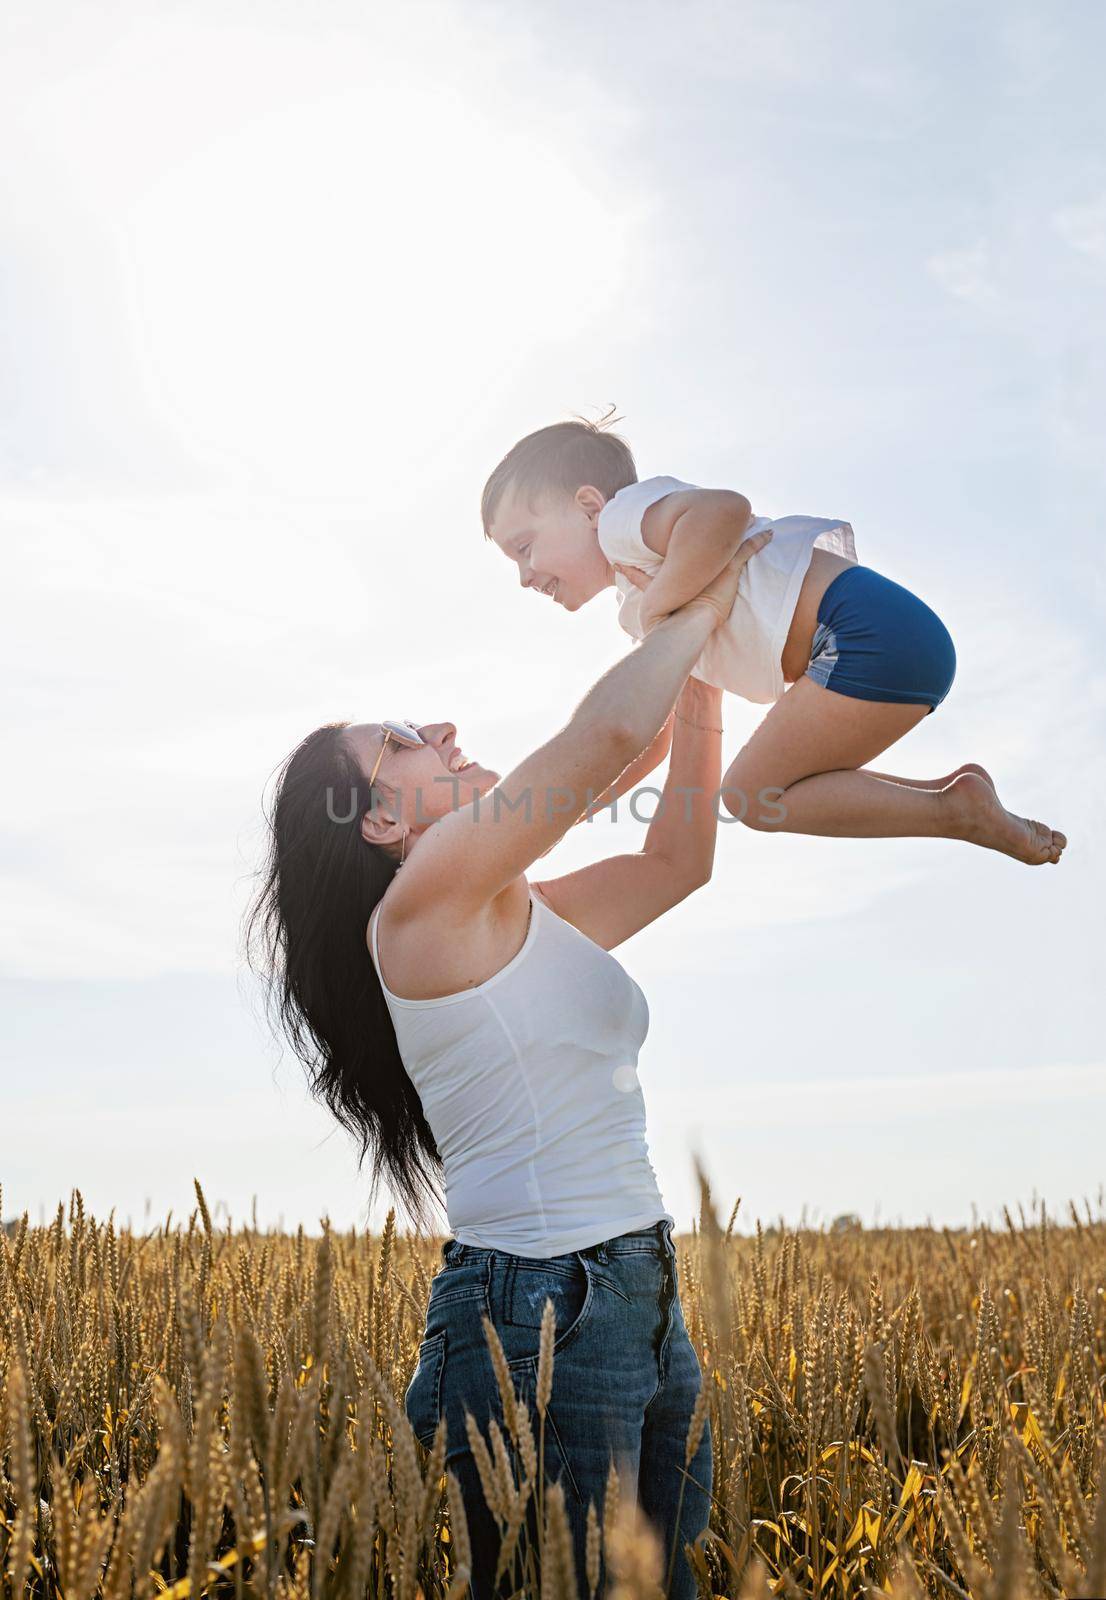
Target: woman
463, 1021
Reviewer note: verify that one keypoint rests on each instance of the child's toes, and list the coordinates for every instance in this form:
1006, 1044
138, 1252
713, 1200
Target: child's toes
1042, 840
1049, 843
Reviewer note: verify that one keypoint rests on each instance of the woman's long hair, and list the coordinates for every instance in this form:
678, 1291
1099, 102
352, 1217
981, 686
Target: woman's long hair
305, 939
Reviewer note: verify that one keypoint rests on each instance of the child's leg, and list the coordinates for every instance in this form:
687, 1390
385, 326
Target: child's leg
811, 745
933, 783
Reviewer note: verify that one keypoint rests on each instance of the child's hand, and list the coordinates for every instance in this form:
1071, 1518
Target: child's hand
639, 579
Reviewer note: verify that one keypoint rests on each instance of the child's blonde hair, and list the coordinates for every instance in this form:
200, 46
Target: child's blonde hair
562, 457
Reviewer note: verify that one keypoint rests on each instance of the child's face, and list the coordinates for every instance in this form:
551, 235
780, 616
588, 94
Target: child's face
555, 543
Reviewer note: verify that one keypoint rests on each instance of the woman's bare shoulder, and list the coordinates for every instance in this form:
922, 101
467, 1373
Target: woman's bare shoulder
426, 951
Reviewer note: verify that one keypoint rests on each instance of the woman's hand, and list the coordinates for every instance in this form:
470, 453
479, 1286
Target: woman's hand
718, 596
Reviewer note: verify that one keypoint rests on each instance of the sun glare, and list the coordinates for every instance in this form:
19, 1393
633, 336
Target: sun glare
300, 284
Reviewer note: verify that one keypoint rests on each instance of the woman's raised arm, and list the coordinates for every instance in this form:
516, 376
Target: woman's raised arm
612, 899
472, 854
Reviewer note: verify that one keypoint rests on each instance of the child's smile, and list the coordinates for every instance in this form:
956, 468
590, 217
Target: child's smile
554, 544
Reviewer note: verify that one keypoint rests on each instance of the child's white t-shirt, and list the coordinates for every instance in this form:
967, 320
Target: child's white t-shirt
743, 653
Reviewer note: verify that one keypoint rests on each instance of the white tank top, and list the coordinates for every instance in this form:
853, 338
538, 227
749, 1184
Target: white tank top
529, 1084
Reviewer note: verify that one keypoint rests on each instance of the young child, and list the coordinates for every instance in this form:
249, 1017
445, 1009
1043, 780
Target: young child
865, 658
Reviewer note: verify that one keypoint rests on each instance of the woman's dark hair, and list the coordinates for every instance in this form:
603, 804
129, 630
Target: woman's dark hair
305, 939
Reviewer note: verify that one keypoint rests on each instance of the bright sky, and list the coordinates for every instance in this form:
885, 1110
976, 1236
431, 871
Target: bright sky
281, 284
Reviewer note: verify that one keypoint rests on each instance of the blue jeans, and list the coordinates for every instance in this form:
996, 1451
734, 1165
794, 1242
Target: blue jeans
625, 1380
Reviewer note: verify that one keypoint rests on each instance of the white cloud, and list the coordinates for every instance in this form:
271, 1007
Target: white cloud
966, 273
1083, 227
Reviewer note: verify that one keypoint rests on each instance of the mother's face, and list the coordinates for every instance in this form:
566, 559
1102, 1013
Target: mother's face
415, 785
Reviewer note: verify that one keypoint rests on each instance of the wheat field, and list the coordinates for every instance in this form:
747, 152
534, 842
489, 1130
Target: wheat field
218, 1410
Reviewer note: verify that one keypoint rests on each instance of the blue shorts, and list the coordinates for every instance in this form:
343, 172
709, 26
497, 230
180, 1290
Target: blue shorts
877, 641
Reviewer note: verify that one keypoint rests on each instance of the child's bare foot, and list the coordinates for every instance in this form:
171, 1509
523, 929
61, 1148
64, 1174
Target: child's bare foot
979, 816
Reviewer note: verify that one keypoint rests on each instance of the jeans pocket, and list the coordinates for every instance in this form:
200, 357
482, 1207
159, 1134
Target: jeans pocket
519, 1289
422, 1402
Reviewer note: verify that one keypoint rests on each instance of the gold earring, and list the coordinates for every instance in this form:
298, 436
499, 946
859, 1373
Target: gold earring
403, 847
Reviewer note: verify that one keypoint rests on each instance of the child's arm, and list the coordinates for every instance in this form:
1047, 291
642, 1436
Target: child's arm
696, 531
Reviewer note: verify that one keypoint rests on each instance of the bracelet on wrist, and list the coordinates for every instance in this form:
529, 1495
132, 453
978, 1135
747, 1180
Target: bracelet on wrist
707, 727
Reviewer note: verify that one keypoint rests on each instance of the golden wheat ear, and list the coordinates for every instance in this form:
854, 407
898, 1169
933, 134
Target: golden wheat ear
212, 1408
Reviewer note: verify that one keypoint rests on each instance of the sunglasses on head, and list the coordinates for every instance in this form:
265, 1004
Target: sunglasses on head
403, 732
